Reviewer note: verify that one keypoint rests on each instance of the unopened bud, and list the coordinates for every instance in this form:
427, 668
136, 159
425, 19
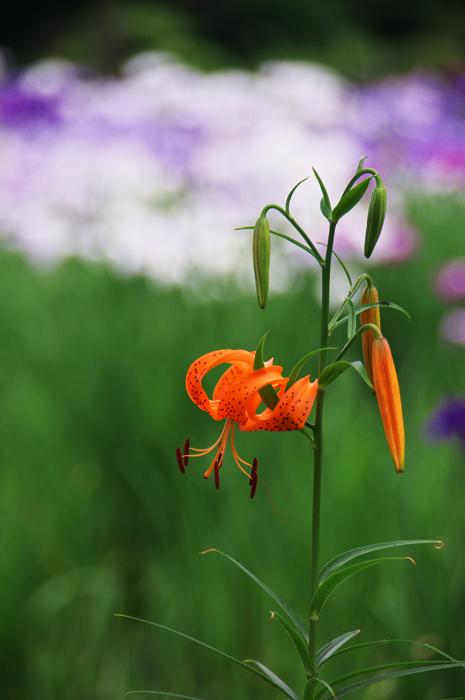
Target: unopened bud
375, 219
388, 395
261, 259
369, 296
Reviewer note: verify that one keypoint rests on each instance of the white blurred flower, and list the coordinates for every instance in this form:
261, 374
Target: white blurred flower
155, 170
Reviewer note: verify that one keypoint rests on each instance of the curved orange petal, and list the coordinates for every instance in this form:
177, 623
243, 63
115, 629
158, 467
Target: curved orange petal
202, 365
292, 410
255, 401
234, 401
232, 374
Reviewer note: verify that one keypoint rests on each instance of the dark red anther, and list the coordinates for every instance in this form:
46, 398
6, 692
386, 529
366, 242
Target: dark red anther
253, 478
217, 475
186, 452
179, 458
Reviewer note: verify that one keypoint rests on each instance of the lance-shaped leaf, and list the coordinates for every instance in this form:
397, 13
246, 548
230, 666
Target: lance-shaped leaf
365, 307
331, 647
352, 319
341, 559
299, 642
333, 371
360, 164
431, 666
350, 199
164, 693
267, 393
289, 196
381, 642
311, 685
287, 609
325, 589
295, 371
325, 204
273, 678
263, 675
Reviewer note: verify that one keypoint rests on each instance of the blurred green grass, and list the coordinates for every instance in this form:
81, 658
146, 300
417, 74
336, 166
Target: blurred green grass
97, 519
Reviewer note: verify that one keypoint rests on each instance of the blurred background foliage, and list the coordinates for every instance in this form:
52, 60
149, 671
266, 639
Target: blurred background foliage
96, 517
362, 39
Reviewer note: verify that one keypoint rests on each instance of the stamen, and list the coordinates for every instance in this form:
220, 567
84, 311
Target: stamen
180, 462
210, 469
205, 451
185, 454
253, 478
237, 459
217, 475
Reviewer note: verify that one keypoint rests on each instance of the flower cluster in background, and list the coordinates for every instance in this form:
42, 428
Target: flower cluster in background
153, 171
448, 421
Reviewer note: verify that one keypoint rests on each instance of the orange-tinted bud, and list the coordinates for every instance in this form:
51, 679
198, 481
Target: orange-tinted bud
388, 395
369, 296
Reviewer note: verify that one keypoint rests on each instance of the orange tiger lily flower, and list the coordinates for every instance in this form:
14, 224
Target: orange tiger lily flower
236, 400
388, 395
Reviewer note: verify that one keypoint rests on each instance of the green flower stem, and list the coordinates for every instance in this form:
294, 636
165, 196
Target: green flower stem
294, 223
318, 446
316, 518
352, 291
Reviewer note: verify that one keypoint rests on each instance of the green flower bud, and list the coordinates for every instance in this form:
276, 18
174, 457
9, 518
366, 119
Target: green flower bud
261, 259
375, 219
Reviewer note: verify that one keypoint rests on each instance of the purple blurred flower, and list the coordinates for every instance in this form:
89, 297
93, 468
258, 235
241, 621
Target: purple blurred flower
21, 108
453, 326
450, 281
448, 421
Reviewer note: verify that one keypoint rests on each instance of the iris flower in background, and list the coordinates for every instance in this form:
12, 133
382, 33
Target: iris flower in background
448, 421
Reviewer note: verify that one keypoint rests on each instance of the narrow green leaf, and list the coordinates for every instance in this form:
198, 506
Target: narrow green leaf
340, 263
325, 589
312, 683
333, 371
405, 641
267, 393
202, 644
164, 694
258, 362
289, 196
341, 559
360, 368
350, 199
331, 647
383, 305
292, 240
325, 204
275, 680
343, 267
325, 210
287, 609
281, 235
295, 371
352, 319
360, 164
296, 638
394, 674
